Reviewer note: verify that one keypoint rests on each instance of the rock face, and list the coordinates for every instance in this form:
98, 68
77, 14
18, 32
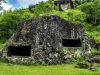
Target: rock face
95, 59
64, 4
97, 46
46, 40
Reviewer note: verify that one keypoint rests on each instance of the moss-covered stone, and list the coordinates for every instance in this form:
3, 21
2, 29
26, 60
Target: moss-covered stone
46, 36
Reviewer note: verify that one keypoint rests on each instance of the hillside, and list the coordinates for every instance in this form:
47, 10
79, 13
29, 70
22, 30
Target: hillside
85, 14
79, 15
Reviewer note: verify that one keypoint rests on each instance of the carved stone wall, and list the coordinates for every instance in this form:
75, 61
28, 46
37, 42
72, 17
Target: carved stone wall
64, 4
44, 35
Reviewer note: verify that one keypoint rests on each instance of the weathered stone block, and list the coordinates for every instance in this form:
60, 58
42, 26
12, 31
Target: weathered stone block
44, 39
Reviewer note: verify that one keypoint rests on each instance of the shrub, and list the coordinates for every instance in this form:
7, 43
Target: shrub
75, 15
95, 51
10, 20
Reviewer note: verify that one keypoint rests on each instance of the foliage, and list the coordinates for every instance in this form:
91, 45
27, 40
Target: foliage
92, 10
75, 16
92, 31
95, 51
84, 14
83, 1
42, 7
10, 20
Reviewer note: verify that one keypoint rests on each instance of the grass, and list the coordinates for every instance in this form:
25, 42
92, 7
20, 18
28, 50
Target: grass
65, 69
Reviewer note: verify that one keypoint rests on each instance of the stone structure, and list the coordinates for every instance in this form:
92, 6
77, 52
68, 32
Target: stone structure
46, 40
95, 59
97, 46
64, 4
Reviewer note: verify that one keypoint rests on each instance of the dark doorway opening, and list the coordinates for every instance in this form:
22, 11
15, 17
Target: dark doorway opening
19, 51
71, 43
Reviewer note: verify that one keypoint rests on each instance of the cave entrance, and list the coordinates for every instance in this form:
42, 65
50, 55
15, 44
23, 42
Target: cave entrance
71, 43
19, 51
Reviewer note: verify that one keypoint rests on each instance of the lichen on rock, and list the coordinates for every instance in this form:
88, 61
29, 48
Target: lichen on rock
42, 40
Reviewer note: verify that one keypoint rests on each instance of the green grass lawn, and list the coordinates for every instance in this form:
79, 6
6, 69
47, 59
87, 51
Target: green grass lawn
65, 69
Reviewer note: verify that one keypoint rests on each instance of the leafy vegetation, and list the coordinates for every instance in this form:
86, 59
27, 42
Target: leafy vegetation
86, 14
92, 10
10, 20
42, 8
95, 51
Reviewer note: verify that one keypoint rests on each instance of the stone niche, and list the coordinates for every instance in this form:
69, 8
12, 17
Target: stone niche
46, 40
19, 51
64, 4
71, 43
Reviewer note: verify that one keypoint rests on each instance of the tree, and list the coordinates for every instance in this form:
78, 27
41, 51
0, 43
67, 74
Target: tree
41, 8
10, 20
1, 3
92, 10
82, 1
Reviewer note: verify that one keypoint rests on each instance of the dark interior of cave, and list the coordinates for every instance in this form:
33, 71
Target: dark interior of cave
19, 51
71, 43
